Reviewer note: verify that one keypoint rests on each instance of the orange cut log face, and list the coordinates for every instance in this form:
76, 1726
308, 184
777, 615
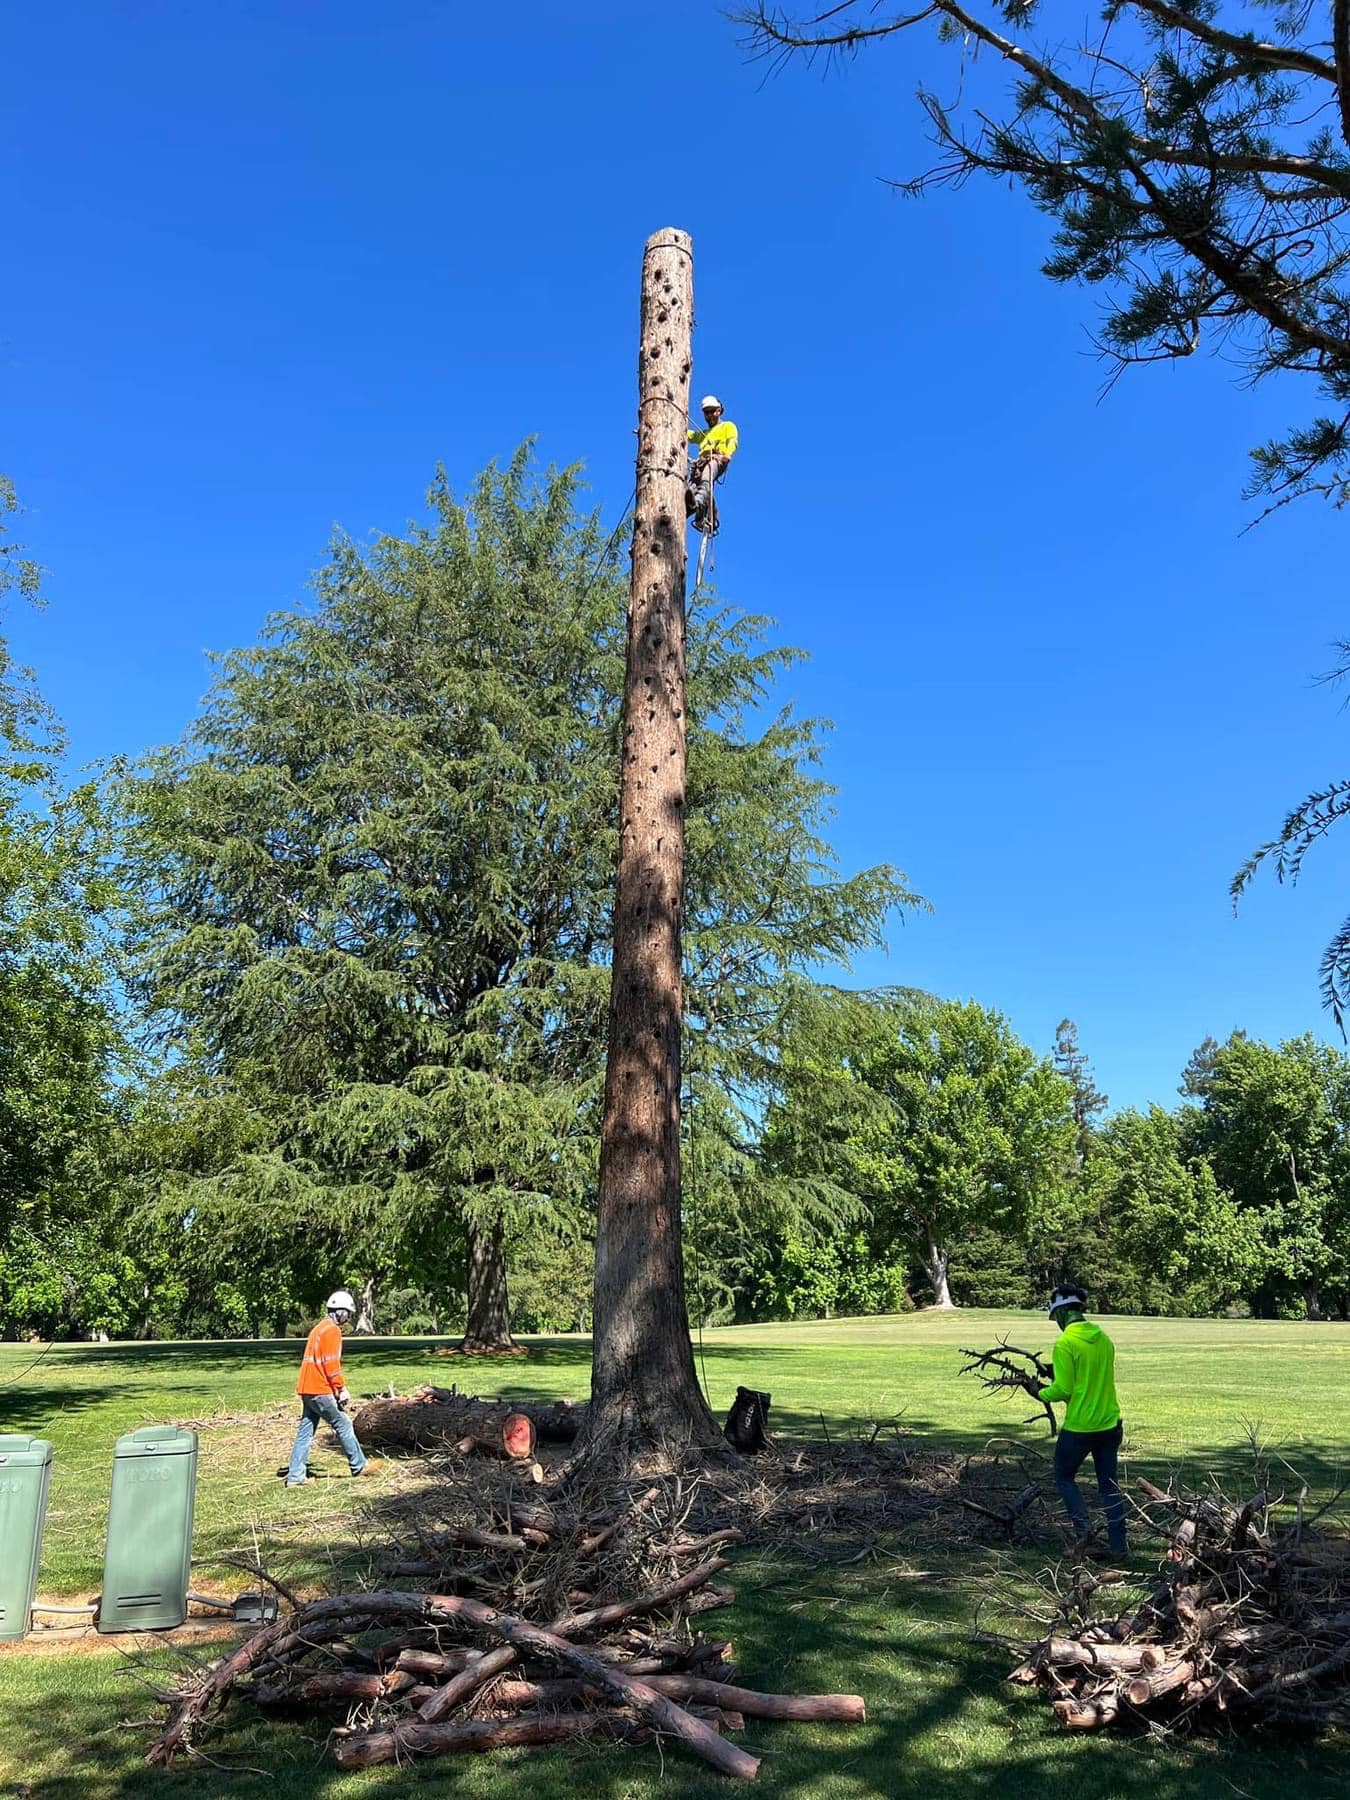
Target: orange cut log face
518, 1435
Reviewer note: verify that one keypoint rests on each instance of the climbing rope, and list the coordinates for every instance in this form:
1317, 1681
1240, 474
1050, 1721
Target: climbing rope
707, 531
28, 1368
604, 555
696, 1237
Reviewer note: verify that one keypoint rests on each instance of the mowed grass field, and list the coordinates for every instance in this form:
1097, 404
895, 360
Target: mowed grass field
897, 1627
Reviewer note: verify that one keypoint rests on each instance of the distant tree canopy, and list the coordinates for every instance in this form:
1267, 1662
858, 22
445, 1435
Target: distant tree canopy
1274, 1125
1197, 169
933, 1114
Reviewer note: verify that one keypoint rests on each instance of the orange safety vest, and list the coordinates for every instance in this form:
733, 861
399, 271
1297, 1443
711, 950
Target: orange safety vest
321, 1368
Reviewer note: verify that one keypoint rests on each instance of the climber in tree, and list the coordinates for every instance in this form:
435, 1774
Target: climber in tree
712, 450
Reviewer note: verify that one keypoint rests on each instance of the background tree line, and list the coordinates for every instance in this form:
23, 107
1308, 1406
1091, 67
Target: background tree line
319, 992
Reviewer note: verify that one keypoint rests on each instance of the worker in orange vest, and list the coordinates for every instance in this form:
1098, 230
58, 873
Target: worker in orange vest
323, 1392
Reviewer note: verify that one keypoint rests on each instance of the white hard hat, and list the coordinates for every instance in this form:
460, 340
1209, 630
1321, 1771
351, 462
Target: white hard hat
1066, 1297
709, 400
341, 1301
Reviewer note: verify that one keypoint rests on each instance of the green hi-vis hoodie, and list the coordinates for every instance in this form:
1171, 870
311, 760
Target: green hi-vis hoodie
1085, 1376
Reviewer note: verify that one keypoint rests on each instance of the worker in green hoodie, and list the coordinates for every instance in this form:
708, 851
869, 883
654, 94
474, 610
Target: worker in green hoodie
1085, 1378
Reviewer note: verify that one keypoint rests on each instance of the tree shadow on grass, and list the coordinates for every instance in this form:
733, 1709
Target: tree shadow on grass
27, 1409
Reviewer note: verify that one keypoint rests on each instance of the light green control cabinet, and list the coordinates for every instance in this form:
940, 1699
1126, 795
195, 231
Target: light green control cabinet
25, 1473
149, 1553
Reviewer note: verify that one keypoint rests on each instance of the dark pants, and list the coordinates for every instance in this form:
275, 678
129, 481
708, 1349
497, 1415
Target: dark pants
698, 488
1072, 1449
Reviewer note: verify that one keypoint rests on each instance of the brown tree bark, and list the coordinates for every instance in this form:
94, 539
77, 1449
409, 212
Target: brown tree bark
418, 1423
652, 1708
489, 1323
368, 1748
644, 1393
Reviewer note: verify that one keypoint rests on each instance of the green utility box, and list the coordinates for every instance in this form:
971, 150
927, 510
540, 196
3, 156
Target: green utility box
149, 1553
25, 1473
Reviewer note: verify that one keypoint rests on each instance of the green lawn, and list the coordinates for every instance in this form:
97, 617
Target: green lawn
941, 1723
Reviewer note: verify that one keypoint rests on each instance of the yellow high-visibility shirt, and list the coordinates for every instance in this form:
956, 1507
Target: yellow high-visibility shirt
718, 440
1085, 1376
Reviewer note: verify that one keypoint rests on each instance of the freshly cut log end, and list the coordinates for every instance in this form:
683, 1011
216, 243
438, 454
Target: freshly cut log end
518, 1435
469, 1446
1074, 1653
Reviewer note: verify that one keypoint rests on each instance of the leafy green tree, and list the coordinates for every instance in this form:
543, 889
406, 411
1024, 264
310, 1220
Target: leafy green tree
934, 1115
376, 881
993, 1266
1089, 1103
1178, 1244
373, 888
1274, 1123
58, 1034
812, 1275
1197, 171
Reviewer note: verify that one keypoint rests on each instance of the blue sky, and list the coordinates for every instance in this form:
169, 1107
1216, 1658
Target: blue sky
269, 262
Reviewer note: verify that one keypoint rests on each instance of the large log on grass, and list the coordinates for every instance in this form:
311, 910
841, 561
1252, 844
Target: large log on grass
1067, 1653
367, 1749
435, 1419
845, 1708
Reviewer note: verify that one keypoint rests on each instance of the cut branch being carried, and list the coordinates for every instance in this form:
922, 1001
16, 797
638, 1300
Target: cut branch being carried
1007, 1367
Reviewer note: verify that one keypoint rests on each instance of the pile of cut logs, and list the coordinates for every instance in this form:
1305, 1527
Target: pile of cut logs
428, 1674
1245, 1618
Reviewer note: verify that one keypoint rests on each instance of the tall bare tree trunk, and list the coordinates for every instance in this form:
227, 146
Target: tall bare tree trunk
935, 1265
489, 1323
644, 1393
365, 1308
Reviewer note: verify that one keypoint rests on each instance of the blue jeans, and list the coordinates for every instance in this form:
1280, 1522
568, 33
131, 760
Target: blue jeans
1072, 1449
314, 1407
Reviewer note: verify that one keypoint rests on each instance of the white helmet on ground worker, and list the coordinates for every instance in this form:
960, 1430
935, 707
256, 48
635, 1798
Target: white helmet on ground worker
710, 403
341, 1301
1068, 1295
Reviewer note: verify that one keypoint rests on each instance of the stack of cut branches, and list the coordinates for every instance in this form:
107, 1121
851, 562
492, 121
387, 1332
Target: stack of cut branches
573, 1657
1246, 1618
